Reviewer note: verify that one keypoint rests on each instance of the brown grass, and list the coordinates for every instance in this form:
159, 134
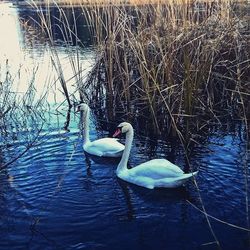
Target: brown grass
175, 60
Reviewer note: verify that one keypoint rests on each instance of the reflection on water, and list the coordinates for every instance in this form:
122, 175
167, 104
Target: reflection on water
57, 197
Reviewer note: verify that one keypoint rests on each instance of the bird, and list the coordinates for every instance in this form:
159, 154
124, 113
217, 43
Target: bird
156, 173
104, 147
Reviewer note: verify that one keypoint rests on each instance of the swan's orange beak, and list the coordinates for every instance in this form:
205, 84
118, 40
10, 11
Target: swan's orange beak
117, 132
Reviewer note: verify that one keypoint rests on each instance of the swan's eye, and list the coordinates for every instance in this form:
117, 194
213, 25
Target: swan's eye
117, 132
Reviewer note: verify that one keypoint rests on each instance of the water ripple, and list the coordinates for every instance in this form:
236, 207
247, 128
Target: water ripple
78, 202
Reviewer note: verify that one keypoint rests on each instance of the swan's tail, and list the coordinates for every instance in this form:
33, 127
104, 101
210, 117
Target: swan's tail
189, 175
186, 177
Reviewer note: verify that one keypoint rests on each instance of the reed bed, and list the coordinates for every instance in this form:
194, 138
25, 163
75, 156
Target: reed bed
175, 67
181, 64
133, 2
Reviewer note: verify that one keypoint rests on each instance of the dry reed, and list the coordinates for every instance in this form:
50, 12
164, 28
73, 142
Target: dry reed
190, 60
21, 117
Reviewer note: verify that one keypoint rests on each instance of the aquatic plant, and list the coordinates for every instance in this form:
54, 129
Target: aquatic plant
183, 63
172, 60
174, 67
21, 116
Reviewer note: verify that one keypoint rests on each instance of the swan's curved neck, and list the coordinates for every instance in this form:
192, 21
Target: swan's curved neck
86, 126
125, 156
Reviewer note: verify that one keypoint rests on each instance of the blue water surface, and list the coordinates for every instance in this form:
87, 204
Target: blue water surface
57, 197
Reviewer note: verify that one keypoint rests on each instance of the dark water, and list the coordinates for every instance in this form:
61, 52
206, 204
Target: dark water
56, 197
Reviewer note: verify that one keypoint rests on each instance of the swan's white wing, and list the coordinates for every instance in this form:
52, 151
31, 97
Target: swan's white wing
141, 179
104, 147
108, 144
174, 182
149, 182
156, 169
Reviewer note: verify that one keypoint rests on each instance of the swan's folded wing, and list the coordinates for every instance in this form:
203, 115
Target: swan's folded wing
107, 145
157, 169
174, 182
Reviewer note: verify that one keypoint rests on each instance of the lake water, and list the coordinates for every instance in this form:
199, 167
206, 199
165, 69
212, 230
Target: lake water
56, 197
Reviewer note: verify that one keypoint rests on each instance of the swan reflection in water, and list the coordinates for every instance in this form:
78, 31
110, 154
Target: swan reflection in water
162, 196
105, 161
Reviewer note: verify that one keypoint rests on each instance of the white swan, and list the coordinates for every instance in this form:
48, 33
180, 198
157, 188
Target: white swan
151, 174
106, 147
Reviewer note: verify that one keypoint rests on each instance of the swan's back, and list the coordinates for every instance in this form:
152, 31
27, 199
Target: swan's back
109, 147
149, 176
157, 169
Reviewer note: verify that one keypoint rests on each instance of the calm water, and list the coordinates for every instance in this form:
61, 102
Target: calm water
56, 197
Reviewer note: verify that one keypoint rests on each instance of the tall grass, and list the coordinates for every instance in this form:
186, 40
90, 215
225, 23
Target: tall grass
174, 60
178, 66
21, 116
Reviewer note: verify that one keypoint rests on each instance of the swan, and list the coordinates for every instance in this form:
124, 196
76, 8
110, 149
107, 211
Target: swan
151, 174
105, 147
